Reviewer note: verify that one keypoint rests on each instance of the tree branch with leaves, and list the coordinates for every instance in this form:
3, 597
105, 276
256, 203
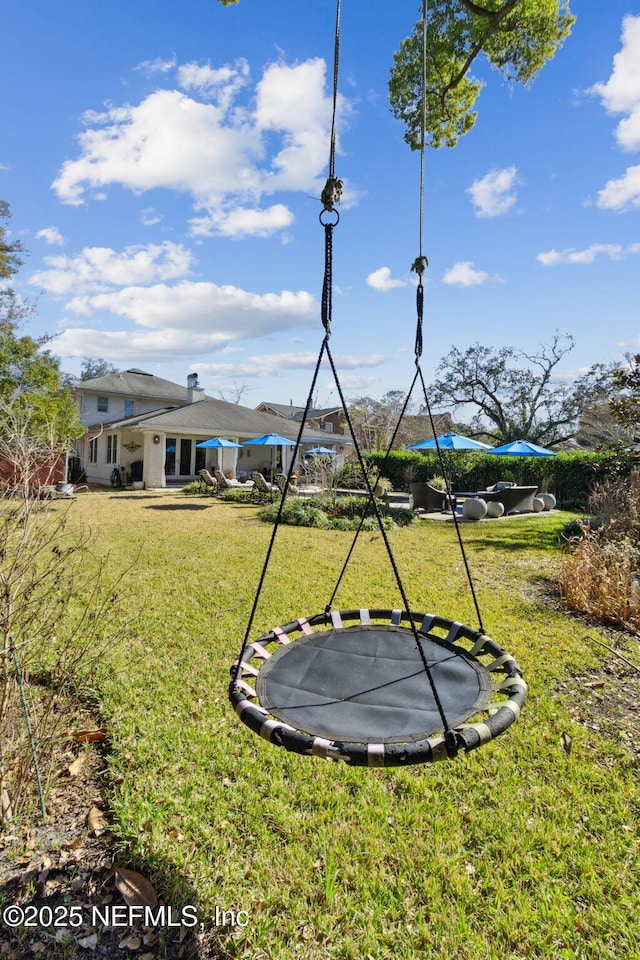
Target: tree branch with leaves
516, 37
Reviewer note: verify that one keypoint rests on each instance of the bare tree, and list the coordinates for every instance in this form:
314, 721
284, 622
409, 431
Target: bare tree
517, 395
235, 393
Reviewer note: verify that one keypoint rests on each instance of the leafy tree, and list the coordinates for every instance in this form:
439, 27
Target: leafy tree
10, 259
514, 400
625, 401
93, 367
517, 37
598, 428
30, 379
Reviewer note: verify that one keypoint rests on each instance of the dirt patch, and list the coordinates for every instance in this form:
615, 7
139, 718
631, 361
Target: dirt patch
606, 701
59, 899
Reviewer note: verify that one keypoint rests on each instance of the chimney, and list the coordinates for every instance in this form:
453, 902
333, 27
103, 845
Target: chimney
195, 391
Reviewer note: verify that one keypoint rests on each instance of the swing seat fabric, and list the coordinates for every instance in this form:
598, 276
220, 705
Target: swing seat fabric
351, 685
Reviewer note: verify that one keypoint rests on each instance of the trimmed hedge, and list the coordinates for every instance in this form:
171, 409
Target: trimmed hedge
569, 476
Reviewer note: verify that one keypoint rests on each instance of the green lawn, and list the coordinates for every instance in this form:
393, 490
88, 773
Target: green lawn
516, 851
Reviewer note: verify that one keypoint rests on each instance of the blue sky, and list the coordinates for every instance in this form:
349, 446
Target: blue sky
163, 161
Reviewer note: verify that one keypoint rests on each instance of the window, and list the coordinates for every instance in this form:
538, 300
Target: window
112, 448
328, 426
128, 408
93, 450
103, 404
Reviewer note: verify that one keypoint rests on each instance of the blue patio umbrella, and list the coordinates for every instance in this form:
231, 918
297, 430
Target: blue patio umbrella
322, 451
521, 448
270, 440
217, 442
450, 441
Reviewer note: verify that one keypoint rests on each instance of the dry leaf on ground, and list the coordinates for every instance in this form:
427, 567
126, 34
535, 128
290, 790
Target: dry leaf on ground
77, 765
135, 889
96, 821
90, 736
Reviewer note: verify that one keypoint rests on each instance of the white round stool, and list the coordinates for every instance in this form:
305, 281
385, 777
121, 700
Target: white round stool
474, 508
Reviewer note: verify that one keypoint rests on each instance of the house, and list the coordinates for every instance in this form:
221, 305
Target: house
146, 430
330, 420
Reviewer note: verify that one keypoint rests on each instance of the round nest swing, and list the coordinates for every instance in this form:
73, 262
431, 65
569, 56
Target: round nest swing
359, 693
373, 687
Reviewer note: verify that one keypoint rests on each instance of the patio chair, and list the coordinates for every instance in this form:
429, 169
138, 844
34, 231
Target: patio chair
225, 483
294, 489
428, 498
208, 480
261, 484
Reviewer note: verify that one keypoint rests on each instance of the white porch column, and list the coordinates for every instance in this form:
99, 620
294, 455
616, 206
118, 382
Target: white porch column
154, 457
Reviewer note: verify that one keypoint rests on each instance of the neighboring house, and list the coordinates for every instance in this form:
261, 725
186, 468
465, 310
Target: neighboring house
418, 428
147, 429
330, 420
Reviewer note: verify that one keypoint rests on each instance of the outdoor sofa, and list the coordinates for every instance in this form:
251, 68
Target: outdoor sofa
514, 499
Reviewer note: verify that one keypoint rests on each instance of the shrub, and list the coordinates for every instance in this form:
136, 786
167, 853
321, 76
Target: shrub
239, 496
574, 530
601, 575
196, 489
340, 513
297, 513
437, 482
600, 578
348, 507
616, 505
62, 607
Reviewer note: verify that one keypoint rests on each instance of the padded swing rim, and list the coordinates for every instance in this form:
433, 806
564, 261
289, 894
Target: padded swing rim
469, 736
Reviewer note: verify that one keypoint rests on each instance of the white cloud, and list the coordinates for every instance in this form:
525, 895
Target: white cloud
266, 365
149, 217
51, 235
621, 92
243, 222
353, 384
184, 319
95, 269
612, 250
226, 155
159, 65
493, 194
381, 279
464, 274
621, 194
209, 83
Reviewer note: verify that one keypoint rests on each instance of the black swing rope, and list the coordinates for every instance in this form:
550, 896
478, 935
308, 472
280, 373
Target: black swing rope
330, 196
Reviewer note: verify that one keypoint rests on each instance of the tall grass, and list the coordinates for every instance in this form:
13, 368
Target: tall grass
600, 575
601, 578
